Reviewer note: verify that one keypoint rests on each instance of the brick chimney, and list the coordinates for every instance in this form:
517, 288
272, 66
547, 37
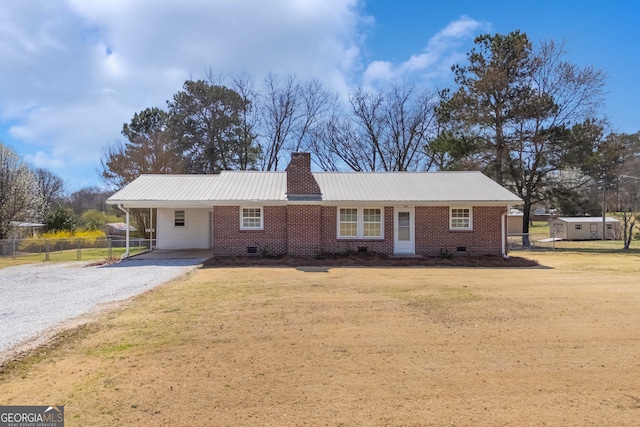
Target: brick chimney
301, 185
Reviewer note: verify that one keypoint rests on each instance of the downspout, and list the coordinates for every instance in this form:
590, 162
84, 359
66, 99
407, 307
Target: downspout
126, 211
504, 235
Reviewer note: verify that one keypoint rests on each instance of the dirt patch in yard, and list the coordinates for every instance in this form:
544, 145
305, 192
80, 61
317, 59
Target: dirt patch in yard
357, 346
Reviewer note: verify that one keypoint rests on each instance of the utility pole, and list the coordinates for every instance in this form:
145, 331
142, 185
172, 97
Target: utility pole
604, 208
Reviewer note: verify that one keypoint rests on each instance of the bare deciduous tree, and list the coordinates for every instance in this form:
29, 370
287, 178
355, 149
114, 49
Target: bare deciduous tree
291, 112
384, 131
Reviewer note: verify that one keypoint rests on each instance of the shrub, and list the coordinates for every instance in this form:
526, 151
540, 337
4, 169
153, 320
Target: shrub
61, 219
66, 234
93, 219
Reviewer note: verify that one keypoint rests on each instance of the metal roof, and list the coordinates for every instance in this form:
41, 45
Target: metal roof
26, 224
411, 187
587, 219
336, 187
251, 186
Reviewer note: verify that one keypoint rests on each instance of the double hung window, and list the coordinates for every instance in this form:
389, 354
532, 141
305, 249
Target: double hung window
179, 219
460, 219
251, 219
360, 223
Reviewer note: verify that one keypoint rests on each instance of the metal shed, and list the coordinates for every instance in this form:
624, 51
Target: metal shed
514, 222
583, 228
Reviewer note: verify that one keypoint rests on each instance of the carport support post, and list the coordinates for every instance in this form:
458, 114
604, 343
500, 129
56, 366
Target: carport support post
150, 229
126, 211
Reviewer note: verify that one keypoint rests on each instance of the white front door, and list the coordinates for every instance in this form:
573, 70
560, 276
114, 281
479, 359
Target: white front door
404, 241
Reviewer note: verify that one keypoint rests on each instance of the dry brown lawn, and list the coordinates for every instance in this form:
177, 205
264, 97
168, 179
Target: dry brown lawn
557, 345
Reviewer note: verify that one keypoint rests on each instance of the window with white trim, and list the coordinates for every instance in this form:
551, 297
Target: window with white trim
460, 219
578, 226
179, 219
360, 223
348, 223
371, 223
251, 219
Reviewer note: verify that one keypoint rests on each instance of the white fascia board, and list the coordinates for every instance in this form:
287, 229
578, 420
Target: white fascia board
353, 203
421, 203
160, 204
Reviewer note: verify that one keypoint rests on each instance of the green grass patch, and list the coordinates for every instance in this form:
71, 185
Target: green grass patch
111, 349
69, 255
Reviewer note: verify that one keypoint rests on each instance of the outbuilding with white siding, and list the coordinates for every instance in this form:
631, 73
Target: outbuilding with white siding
583, 228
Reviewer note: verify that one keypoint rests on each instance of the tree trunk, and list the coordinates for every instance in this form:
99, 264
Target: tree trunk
526, 220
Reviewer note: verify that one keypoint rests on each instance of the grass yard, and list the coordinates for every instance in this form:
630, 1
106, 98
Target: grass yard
553, 345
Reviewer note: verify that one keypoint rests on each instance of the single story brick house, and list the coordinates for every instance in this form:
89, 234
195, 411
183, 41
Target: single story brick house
304, 213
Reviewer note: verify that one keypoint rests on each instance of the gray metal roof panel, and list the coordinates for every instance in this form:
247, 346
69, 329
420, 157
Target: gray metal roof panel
224, 186
411, 187
251, 186
335, 187
168, 188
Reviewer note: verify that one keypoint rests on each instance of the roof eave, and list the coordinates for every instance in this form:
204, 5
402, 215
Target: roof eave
211, 203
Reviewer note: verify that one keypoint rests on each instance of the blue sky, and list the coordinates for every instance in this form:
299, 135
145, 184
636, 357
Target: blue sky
75, 70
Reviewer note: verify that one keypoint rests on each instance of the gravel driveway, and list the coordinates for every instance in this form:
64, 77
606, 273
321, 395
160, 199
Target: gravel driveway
37, 297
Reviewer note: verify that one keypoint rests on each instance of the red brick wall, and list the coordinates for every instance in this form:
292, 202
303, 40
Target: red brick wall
433, 234
307, 230
229, 240
304, 230
300, 180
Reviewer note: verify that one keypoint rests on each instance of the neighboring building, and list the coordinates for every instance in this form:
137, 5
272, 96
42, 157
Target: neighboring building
117, 228
583, 228
542, 214
514, 222
303, 213
24, 230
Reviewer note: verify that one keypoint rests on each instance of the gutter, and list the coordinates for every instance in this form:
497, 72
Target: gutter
504, 234
126, 211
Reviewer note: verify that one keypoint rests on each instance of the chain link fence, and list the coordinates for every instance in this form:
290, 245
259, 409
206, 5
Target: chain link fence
71, 249
542, 242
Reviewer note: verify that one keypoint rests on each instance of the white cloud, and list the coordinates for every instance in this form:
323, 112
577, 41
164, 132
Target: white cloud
74, 71
436, 58
45, 161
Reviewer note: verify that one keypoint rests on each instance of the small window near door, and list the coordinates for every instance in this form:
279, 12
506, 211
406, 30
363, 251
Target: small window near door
578, 226
460, 219
179, 219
